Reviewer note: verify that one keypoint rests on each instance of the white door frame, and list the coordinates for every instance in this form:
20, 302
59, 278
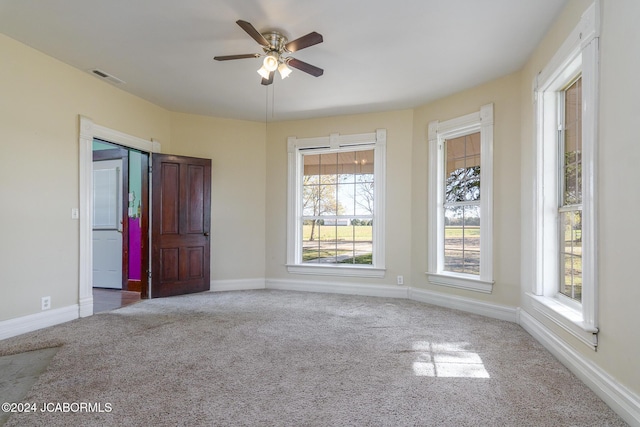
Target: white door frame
88, 131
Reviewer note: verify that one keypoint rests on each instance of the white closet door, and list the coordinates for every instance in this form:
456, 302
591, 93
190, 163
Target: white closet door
107, 224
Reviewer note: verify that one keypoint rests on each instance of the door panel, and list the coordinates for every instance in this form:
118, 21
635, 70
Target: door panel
107, 262
169, 198
181, 217
195, 206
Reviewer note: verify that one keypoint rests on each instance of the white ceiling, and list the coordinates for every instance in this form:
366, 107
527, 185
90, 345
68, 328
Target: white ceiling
377, 55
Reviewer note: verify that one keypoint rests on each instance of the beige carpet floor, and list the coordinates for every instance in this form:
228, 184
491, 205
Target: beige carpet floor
277, 358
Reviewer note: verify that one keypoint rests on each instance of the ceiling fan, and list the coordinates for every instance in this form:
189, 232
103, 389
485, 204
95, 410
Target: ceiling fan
276, 47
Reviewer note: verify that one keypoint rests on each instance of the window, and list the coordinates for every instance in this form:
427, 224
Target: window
565, 285
570, 175
336, 206
460, 201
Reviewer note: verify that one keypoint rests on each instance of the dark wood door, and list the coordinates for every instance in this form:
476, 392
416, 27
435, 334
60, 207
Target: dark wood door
180, 218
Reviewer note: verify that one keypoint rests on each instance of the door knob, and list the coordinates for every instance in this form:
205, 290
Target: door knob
206, 233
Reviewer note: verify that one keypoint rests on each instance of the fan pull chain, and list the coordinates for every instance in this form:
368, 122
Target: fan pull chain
273, 100
266, 108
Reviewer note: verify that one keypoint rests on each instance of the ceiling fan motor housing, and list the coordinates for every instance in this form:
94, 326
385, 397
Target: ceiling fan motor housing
276, 42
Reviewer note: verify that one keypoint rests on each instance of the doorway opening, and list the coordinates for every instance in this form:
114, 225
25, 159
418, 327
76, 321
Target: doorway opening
119, 225
89, 131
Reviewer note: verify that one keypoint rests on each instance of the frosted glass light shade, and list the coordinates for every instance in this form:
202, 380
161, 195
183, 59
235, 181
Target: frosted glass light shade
284, 70
263, 72
270, 62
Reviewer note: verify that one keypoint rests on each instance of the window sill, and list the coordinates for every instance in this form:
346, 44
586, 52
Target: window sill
332, 270
461, 281
568, 318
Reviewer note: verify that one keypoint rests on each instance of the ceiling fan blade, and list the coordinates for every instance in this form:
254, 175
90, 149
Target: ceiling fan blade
268, 81
255, 34
230, 57
307, 68
303, 42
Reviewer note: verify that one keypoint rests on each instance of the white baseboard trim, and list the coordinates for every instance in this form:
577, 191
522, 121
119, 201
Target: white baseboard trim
623, 401
495, 311
86, 307
338, 288
236, 285
22, 325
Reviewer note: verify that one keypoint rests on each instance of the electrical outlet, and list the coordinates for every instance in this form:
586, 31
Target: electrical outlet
400, 280
46, 303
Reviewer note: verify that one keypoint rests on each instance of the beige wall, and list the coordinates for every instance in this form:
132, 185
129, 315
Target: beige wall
237, 149
618, 199
40, 101
504, 93
398, 203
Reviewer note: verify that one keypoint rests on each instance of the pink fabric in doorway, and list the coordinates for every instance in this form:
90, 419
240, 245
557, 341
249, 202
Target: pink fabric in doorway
135, 249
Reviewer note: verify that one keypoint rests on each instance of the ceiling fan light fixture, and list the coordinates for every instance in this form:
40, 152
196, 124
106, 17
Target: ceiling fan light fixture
263, 72
270, 62
284, 70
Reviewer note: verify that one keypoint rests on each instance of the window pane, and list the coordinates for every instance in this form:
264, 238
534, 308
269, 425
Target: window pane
348, 164
456, 153
364, 163
355, 198
571, 195
319, 185
310, 241
571, 221
355, 242
328, 241
572, 166
571, 254
338, 183
338, 240
453, 260
364, 198
347, 198
310, 200
462, 179
471, 240
328, 164
327, 198
462, 239
319, 242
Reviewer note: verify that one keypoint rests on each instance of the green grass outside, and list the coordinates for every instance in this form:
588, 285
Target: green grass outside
361, 259
357, 233
311, 254
453, 231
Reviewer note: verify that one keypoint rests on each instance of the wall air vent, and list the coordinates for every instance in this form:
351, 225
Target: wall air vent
106, 76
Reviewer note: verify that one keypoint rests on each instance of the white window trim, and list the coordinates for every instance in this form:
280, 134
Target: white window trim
578, 53
481, 121
376, 140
